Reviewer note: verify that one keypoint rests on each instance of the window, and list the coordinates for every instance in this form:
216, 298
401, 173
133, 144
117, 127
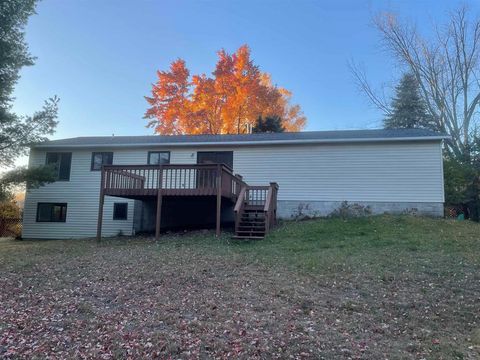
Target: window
51, 212
120, 211
215, 157
158, 157
61, 163
101, 158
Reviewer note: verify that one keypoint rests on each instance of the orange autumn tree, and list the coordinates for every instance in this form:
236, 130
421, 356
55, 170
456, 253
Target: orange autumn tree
226, 103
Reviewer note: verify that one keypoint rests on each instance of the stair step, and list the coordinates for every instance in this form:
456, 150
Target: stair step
252, 224
248, 237
243, 232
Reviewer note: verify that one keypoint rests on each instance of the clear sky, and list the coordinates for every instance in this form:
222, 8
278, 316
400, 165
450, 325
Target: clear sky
100, 56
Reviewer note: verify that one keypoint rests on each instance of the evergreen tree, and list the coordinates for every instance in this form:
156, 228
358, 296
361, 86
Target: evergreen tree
17, 132
268, 124
408, 109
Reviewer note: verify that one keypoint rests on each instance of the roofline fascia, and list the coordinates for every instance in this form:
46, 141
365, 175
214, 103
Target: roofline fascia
249, 142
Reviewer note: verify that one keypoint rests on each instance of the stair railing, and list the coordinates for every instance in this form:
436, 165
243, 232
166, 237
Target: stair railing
239, 206
270, 207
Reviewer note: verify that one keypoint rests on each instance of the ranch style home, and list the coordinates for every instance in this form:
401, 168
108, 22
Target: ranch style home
131, 184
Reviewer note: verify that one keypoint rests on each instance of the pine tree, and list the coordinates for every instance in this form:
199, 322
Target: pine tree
408, 110
18, 132
268, 124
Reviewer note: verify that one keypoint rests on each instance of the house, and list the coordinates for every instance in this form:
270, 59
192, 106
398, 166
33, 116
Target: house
391, 171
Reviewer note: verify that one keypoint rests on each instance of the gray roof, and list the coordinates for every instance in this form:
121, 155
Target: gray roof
273, 138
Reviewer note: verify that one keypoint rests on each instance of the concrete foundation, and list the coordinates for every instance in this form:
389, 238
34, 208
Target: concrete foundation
301, 209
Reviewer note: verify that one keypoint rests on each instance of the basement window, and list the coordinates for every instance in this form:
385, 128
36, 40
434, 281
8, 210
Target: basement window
51, 212
120, 211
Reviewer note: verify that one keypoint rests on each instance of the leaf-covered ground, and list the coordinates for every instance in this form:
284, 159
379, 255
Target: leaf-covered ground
374, 288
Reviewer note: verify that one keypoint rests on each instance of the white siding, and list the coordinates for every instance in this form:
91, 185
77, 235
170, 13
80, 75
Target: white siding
394, 172
382, 172
385, 172
81, 194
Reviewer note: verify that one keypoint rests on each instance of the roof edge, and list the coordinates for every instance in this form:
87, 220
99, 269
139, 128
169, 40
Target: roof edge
251, 142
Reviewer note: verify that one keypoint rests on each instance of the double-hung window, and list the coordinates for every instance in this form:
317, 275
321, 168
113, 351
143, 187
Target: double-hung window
61, 163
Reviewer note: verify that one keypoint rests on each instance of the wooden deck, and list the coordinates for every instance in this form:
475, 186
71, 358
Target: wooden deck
140, 181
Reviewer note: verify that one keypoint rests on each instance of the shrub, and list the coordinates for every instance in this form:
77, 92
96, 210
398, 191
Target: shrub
354, 210
304, 212
462, 187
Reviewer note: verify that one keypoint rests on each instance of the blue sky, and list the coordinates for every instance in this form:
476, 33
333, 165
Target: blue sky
100, 57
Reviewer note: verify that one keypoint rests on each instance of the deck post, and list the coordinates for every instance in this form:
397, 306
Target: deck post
101, 201
158, 218
219, 198
274, 187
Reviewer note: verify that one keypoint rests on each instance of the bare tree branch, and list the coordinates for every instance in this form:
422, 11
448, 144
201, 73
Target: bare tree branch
364, 86
447, 69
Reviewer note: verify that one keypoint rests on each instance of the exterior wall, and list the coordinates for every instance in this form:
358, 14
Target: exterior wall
389, 175
81, 194
381, 172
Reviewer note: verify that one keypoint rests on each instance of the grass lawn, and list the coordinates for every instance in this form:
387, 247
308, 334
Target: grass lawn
379, 287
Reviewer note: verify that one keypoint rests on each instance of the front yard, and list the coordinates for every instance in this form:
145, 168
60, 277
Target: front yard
380, 287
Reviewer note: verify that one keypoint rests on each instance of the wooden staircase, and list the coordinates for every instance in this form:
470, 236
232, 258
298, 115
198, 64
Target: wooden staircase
252, 224
255, 211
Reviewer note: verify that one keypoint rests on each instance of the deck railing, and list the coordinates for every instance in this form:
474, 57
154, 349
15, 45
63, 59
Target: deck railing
170, 179
270, 207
